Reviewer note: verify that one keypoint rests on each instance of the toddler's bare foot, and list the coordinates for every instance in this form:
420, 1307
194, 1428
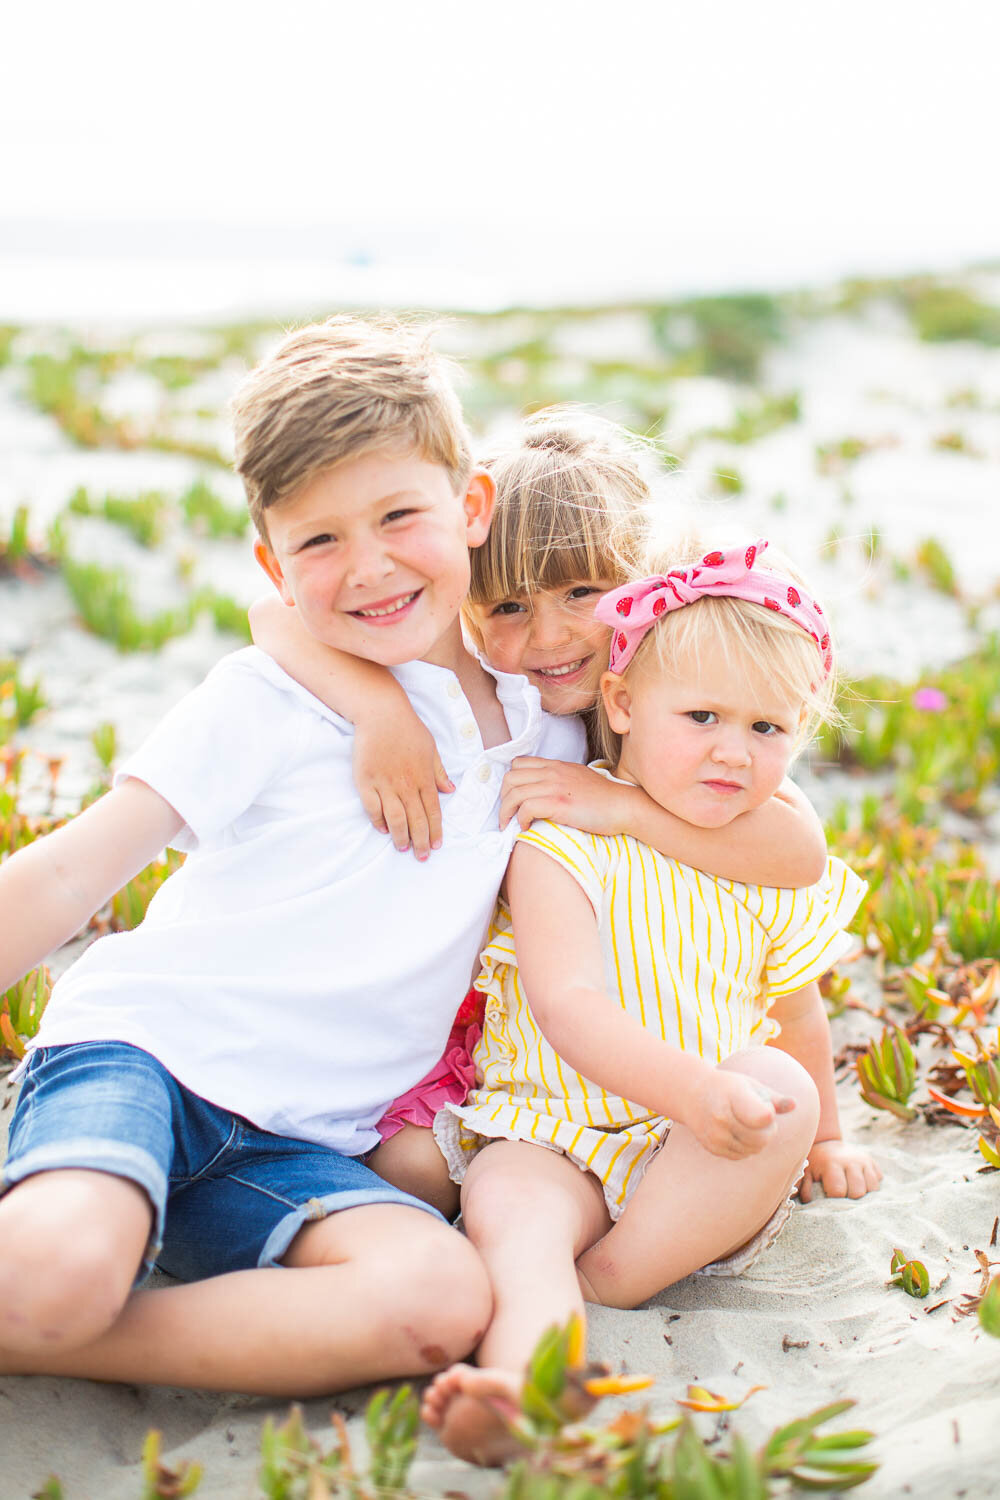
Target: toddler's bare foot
471, 1408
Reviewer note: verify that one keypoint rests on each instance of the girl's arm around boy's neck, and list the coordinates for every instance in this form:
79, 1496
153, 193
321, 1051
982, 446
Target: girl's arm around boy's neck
50, 889
397, 769
779, 844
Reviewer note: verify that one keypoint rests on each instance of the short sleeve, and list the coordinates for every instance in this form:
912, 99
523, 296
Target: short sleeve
583, 855
808, 931
212, 754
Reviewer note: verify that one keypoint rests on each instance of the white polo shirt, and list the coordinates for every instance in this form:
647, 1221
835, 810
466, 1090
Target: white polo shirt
298, 969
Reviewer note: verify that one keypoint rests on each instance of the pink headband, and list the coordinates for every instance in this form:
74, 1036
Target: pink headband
729, 575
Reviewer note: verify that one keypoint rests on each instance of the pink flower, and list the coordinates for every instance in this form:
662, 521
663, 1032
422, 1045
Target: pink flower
930, 699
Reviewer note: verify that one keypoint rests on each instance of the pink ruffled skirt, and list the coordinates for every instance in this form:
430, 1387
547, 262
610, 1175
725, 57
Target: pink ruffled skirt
448, 1082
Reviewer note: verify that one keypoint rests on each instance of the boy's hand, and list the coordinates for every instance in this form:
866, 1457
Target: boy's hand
732, 1115
842, 1170
565, 793
399, 774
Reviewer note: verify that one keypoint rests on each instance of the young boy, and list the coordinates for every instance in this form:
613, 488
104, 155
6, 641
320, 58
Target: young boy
204, 1088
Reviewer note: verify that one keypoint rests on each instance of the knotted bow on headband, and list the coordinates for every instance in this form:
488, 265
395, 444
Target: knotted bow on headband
731, 574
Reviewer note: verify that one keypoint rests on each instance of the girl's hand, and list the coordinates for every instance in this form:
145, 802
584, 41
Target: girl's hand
565, 793
732, 1115
842, 1170
399, 774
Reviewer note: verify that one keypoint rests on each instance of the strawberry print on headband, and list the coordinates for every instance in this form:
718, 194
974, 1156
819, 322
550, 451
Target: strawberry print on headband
731, 574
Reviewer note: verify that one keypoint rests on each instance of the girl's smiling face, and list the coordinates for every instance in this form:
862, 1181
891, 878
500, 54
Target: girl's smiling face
550, 637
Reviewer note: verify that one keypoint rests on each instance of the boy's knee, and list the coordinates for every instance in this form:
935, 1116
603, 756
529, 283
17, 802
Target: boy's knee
63, 1281
441, 1299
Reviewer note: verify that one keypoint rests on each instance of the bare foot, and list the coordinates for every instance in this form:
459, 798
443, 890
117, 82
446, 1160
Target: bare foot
471, 1409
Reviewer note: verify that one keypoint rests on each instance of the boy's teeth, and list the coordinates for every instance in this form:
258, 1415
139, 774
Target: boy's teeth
390, 609
572, 666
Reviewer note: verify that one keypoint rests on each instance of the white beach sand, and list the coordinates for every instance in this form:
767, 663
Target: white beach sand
813, 1321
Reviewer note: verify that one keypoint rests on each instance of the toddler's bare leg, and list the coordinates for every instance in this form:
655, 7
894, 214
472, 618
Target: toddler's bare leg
529, 1212
691, 1207
411, 1160
373, 1293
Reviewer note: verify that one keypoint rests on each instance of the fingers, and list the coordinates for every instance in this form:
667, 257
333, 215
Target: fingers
395, 819
432, 815
753, 1106
442, 780
372, 804
805, 1188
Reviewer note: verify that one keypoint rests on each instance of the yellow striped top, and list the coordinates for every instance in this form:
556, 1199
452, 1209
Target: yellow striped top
695, 958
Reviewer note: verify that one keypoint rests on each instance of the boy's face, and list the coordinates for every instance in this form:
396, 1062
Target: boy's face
375, 555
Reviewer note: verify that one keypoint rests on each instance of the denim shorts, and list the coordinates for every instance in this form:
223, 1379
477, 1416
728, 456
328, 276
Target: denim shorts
226, 1195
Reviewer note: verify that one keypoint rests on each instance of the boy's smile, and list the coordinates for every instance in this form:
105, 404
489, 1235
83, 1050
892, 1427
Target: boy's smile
705, 744
375, 555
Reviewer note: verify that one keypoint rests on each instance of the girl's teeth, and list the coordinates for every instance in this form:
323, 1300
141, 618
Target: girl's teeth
573, 666
390, 609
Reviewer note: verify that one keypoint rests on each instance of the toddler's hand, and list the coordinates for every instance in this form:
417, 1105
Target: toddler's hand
733, 1115
563, 791
399, 774
842, 1170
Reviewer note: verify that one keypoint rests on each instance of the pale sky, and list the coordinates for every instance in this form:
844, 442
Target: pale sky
768, 131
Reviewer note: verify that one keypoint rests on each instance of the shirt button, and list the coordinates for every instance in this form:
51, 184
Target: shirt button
469, 731
454, 691
484, 773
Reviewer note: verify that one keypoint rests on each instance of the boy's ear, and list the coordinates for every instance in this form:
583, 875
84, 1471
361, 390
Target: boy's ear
272, 568
478, 502
617, 702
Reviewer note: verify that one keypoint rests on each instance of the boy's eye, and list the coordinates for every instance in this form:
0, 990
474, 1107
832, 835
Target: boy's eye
507, 607
317, 541
397, 515
702, 716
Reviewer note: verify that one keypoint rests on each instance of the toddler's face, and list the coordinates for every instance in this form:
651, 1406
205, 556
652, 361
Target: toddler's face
552, 638
706, 744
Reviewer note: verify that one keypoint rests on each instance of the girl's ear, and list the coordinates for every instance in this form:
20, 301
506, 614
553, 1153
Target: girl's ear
617, 702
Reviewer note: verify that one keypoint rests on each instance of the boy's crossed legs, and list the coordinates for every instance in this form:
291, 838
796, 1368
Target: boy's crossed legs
373, 1291
543, 1230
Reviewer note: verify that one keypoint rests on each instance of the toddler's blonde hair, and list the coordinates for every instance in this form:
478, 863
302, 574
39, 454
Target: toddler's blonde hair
339, 389
735, 631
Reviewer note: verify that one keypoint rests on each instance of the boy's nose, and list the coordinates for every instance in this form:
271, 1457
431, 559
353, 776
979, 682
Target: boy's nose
368, 564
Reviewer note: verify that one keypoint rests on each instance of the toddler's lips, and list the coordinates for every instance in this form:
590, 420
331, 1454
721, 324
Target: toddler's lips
725, 788
387, 611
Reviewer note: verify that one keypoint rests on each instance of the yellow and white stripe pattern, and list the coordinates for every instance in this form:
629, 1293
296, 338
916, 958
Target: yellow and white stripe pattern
697, 959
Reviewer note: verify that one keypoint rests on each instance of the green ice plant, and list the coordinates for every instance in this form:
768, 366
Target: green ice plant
161, 1482
887, 1073
21, 1010
209, 515
937, 567
988, 1310
973, 917
911, 1275
143, 516
904, 911
128, 906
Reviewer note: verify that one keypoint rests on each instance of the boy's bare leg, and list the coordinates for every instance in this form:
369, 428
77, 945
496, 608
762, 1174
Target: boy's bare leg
692, 1208
529, 1212
411, 1160
373, 1293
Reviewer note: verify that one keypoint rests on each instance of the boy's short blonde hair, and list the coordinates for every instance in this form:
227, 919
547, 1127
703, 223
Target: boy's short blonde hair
335, 390
571, 505
737, 631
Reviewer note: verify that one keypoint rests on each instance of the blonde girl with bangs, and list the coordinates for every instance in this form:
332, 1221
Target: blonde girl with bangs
655, 1070
570, 521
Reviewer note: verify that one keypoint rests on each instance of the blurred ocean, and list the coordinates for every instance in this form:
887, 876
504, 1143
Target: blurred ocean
148, 272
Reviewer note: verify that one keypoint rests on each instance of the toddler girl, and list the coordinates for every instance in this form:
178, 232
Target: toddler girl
637, 1128
572, 509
